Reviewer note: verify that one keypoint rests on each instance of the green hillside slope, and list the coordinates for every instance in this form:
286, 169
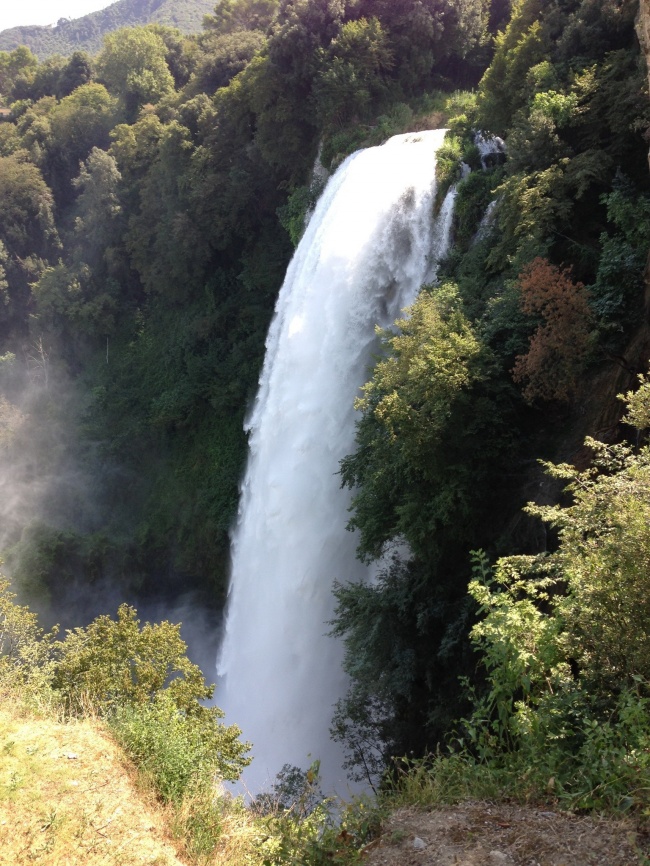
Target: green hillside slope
86, 33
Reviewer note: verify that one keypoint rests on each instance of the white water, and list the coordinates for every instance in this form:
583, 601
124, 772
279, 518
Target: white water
490, 148
368, 248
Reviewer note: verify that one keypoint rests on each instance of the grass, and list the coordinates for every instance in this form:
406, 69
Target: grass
69, 796
66, 797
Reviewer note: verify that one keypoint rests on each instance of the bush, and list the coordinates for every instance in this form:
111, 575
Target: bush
24, 649
181, 752
564, 640
113, 662
307, 830
142, 681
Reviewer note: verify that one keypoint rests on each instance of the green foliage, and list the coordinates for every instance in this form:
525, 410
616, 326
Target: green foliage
78, 71
24, 648
475, 193
563, 86
305, 829
563, 638
425, 37
26, 210
178, 750
415, 394
224, 58
382, 626
449, 776
518, 48
133, 65
146, 689
140, 679
13, 64
294, 790
350, 83
619, 285
424, 453
638, 404
76, 302
55, 76
113, 662
97, 206
28, 236
294, 214
79, 123
233, 15
558, 107
67, 305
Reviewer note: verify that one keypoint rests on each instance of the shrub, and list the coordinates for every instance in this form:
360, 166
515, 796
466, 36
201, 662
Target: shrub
113, 662
564, 639
178, 750
559, 346
25, 666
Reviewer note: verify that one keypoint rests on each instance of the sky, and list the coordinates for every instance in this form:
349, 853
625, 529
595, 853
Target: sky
16, 12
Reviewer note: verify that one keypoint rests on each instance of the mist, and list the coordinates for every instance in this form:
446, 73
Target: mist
65, 548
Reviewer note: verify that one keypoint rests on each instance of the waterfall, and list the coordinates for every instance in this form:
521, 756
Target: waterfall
369, 246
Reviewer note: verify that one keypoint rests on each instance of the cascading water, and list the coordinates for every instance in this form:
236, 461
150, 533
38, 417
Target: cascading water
369, 246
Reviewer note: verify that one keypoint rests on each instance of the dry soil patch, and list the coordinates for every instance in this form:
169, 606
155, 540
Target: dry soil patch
485, 834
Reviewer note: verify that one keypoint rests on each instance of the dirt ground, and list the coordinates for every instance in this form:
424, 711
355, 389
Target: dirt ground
485, 834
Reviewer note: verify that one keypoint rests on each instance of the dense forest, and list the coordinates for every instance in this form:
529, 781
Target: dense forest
150, 199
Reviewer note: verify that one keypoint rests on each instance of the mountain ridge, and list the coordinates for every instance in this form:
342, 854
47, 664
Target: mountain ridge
87, 33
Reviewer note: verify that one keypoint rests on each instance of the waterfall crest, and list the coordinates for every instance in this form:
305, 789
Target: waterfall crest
369, 246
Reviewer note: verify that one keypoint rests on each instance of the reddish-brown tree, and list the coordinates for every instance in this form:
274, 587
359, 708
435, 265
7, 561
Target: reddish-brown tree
559, 346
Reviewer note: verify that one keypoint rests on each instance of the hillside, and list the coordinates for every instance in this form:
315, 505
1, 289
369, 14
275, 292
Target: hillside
68, 797
87, 33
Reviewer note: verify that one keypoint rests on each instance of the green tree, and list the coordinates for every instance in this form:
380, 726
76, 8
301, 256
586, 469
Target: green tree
42, 80
78, 71
24, 648
564, 635
425, 36
225, 56
232, 15
78, 123
351, 79
98, 221
619, 286
428, 450
28, 235
505, 87
414, 395
117, 661
142, 680
133, 66
26, 210
14, 63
